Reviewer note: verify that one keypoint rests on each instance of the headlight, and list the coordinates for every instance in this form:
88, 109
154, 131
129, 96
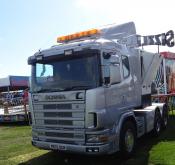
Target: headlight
97, 138
92, 138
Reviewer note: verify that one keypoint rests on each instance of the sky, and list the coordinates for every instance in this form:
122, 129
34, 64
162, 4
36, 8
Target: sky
27, 26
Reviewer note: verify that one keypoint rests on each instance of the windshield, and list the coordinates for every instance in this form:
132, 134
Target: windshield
68, 74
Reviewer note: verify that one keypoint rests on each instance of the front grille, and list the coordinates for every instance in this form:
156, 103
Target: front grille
57, 114
57, 106
58, 122
61, 122
56, 134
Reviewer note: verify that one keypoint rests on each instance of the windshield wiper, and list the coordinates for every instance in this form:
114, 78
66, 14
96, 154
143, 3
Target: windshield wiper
50, 90
77, 87
63, 89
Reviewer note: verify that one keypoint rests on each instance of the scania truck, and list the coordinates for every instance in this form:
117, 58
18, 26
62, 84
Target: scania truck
91, 93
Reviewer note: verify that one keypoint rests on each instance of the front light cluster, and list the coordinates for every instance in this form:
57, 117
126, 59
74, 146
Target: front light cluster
97, 138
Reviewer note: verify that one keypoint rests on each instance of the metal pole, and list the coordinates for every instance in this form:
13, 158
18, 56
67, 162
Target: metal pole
164, 76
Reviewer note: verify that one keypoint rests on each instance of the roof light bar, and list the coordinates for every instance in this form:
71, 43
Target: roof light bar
78, 35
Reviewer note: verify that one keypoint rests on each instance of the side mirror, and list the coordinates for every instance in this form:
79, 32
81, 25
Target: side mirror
111, 70
115, 76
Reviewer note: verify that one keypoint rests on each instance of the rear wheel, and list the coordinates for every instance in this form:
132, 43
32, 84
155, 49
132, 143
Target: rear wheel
165, 117
127, 138
157, 124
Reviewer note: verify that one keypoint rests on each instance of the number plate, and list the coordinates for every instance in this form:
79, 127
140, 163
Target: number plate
57, 147
53, 146
62, 147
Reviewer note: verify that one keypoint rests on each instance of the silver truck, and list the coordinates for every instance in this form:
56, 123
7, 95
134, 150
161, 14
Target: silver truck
91, 93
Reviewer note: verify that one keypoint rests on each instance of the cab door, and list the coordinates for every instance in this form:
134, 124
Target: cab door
119, 96
128, 86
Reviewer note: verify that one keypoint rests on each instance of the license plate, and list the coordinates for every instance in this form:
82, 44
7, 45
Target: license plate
62, 147
53, 146
57, 147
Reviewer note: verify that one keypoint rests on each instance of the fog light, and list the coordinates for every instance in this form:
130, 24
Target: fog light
96, 149
92, 149
89, 150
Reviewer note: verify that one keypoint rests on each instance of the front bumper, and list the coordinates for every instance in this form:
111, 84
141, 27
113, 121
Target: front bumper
81, 149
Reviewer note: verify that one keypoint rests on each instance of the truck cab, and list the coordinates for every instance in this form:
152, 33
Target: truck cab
88, 92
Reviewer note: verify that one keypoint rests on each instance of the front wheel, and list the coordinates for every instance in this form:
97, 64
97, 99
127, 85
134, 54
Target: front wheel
127, 138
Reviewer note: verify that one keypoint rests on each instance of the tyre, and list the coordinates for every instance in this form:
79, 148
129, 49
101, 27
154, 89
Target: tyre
165, 117
127, 139
157, 123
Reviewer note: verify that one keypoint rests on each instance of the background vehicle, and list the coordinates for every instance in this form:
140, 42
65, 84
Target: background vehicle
91, 93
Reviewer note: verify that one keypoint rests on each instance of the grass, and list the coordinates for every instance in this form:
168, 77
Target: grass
16, 148
160, 150
15, 144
